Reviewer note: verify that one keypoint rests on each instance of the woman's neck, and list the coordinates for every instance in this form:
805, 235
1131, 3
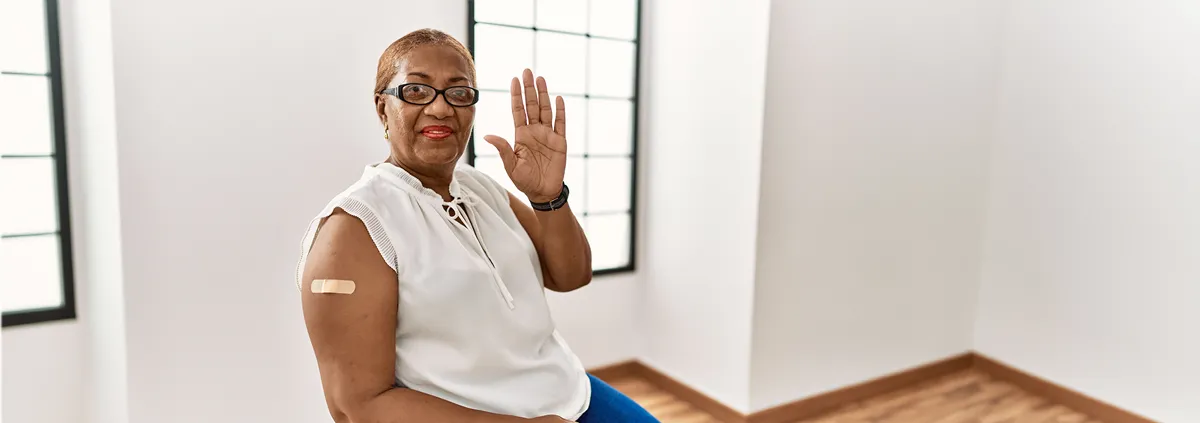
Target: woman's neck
437, 180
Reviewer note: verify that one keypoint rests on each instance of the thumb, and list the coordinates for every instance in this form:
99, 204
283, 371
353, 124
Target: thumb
505, 150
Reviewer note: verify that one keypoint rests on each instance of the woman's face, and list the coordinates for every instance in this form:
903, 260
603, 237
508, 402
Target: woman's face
434, 135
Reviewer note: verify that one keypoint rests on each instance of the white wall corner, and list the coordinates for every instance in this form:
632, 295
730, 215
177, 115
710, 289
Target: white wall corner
96, 216
701, 165
874, 157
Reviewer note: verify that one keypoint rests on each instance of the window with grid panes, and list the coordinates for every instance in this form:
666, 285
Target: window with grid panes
35, 261
588, 52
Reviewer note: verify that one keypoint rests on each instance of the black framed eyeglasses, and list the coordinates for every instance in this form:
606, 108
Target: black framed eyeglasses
421, 94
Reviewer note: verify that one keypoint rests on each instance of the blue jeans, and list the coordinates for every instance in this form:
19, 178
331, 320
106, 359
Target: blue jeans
611, 406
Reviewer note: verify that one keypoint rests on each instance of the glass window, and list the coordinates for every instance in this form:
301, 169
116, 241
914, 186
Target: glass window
35, 251
588, 52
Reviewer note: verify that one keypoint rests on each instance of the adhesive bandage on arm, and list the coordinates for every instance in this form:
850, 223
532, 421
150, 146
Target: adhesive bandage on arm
332, 286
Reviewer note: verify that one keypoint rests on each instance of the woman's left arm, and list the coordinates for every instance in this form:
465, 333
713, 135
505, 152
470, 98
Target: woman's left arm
561, 245
536, 163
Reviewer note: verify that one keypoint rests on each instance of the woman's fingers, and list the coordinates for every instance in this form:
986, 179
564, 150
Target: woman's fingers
560, 121
505, 150
544, 101
535, 106
531, 97
518, 108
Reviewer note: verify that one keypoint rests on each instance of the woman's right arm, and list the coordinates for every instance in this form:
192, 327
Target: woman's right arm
354, 335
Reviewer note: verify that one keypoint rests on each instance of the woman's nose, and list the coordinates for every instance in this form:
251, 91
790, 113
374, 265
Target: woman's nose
439, 108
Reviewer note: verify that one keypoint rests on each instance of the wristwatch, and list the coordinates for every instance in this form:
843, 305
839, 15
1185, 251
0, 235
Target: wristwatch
555, 204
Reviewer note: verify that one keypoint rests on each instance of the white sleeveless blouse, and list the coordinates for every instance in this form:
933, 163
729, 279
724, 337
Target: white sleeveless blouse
473, 326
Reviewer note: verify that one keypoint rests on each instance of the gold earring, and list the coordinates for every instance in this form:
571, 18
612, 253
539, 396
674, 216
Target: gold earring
385, 133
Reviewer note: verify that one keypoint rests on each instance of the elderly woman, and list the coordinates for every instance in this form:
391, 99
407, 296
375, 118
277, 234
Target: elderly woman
422, 283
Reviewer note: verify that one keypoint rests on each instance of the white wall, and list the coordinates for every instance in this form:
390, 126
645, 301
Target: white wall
43, 373
702, 153
95, 207
601, 321
874, 152
1093, 231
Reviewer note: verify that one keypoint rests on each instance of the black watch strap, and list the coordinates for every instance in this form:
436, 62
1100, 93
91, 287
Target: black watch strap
556, 204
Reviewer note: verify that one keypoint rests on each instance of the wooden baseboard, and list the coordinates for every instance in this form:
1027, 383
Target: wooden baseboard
666, 383
691, 396
616, 371
825, 402
1077, 401
802, 409
821, 403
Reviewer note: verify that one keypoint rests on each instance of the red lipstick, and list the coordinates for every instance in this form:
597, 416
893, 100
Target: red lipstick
437, 132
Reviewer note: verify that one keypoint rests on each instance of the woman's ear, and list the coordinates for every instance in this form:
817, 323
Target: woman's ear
381, 108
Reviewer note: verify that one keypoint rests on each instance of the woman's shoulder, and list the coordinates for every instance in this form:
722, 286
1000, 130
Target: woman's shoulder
376, 190
353, 212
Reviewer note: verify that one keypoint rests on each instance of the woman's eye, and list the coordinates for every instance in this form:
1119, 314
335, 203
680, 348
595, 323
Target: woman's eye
461, 95
417, 93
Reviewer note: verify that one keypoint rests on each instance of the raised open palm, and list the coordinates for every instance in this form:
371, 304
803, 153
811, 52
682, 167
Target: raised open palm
537, 160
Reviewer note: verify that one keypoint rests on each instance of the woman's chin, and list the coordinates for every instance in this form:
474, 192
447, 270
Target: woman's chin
440, 152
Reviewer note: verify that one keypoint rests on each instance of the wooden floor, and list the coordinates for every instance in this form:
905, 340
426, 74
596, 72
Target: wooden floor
965, 397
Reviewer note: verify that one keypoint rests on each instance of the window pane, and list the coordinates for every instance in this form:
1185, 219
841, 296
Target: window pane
23, 36
27, 189
563, 15
614, 18
29, 273
512, 12
608, 184
501, 54
560, 59
600, 135
25, 115
610, 127
493, 116
577, 123
573, 177
610, 68
609, 238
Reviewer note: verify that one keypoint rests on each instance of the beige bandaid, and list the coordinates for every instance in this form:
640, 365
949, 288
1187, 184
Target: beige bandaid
332, 286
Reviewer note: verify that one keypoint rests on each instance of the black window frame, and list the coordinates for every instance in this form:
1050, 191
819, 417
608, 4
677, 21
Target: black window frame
636, 99
67, 310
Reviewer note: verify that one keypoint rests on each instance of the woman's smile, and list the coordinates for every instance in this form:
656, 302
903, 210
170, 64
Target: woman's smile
437, 132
